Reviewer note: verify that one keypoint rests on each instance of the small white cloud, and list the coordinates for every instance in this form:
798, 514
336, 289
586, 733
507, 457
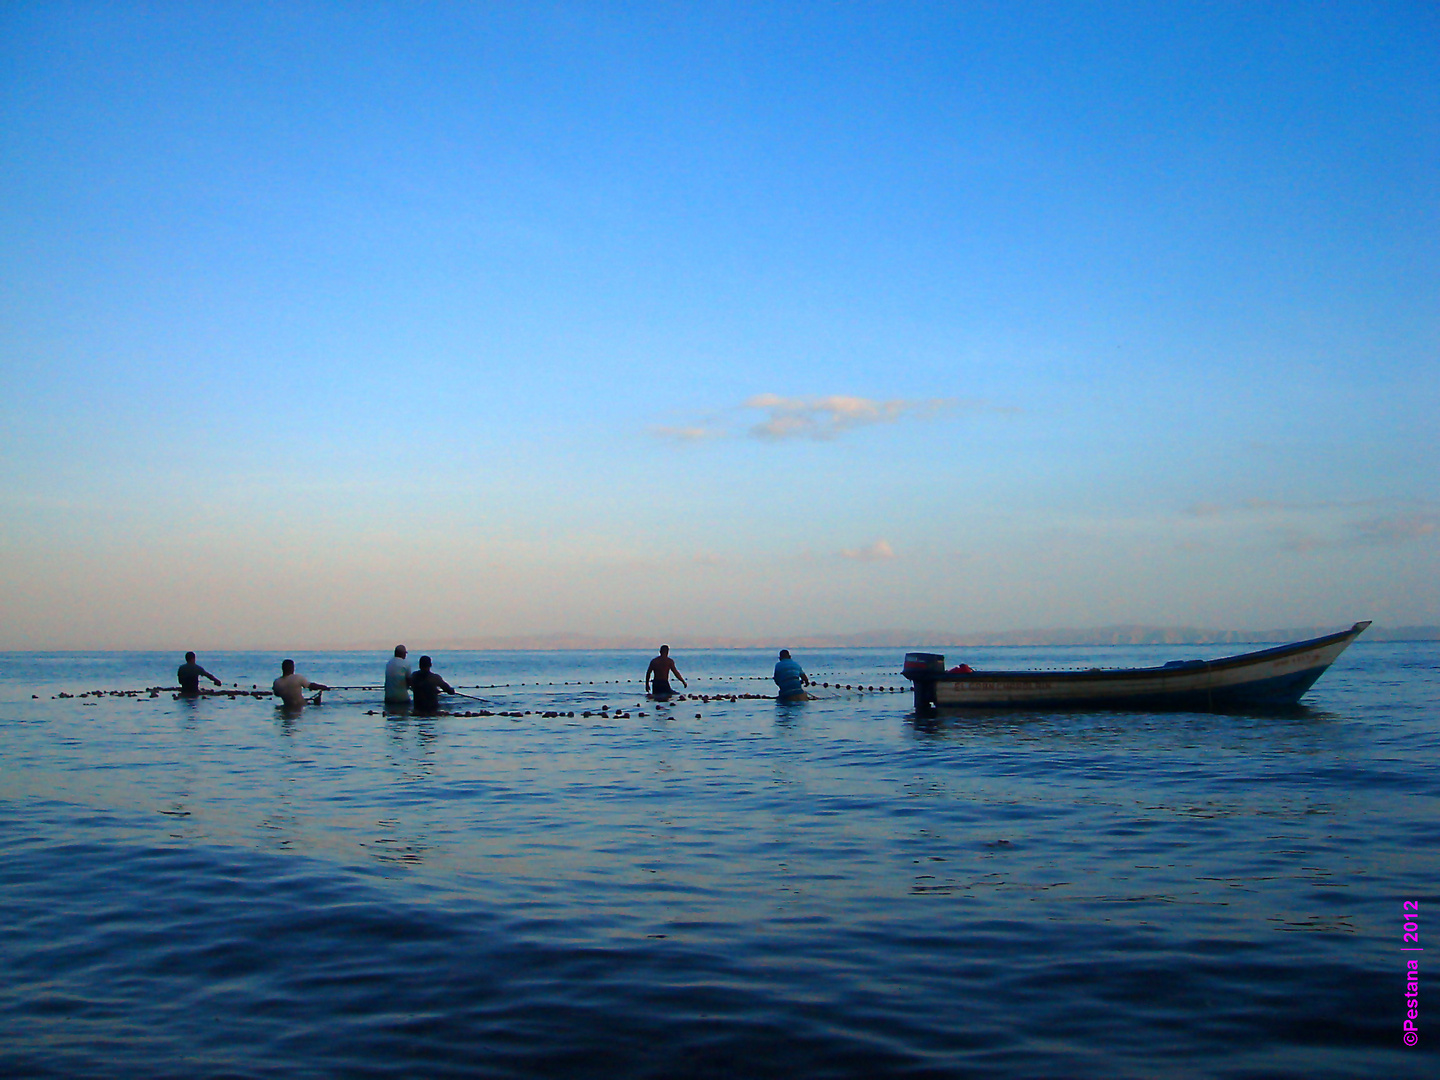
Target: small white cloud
819, 418
879, 551
827, 417
692, 433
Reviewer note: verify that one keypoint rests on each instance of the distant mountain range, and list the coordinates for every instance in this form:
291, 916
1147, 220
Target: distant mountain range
920, 639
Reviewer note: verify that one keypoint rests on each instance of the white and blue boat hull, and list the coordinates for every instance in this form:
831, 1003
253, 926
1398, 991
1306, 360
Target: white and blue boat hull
1269, 678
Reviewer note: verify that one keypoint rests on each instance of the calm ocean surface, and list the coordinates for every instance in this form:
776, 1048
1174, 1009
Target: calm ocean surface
830, 889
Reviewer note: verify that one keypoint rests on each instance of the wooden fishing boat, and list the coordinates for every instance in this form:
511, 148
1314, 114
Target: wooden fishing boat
1269, 678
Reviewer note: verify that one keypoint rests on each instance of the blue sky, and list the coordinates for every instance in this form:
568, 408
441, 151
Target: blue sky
330, 323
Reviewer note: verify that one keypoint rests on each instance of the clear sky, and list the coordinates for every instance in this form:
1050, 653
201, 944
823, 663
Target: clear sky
330, 323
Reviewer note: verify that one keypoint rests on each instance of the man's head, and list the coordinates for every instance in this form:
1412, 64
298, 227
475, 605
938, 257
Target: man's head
189, 657
664, 650
784, 654
400, 651
287, 667
424, 663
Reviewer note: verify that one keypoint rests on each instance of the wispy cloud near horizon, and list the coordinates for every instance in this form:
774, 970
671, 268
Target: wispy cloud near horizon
879, 551
1313, 526
826, 417
687, 433
1391, 530
820, 418
1260, 507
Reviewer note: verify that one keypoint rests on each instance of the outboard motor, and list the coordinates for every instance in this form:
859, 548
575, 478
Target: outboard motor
922, 669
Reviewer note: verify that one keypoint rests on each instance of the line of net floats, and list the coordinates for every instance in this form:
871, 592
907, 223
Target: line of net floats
258, 692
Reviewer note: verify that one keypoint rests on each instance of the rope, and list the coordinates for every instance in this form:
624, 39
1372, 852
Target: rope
256, 691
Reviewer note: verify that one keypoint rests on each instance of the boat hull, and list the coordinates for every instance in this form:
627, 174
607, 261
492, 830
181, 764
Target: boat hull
1270, 678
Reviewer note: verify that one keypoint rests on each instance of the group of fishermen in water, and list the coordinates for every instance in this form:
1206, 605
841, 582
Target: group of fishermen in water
424, 685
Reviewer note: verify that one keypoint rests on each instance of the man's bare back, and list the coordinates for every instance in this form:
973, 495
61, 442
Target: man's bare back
660, 670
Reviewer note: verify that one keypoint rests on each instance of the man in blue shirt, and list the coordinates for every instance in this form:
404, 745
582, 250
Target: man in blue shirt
790, 678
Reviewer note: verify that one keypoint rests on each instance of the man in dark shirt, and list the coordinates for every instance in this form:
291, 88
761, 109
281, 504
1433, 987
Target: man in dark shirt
190, 673
426, 686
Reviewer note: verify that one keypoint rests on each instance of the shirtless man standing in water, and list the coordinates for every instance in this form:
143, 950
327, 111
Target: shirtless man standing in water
291, 686
661, 668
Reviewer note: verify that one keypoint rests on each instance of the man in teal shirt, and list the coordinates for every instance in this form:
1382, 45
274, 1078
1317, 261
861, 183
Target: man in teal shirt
190, 673
791, 680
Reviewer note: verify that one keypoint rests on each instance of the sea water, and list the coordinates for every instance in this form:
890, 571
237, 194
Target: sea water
710, 887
